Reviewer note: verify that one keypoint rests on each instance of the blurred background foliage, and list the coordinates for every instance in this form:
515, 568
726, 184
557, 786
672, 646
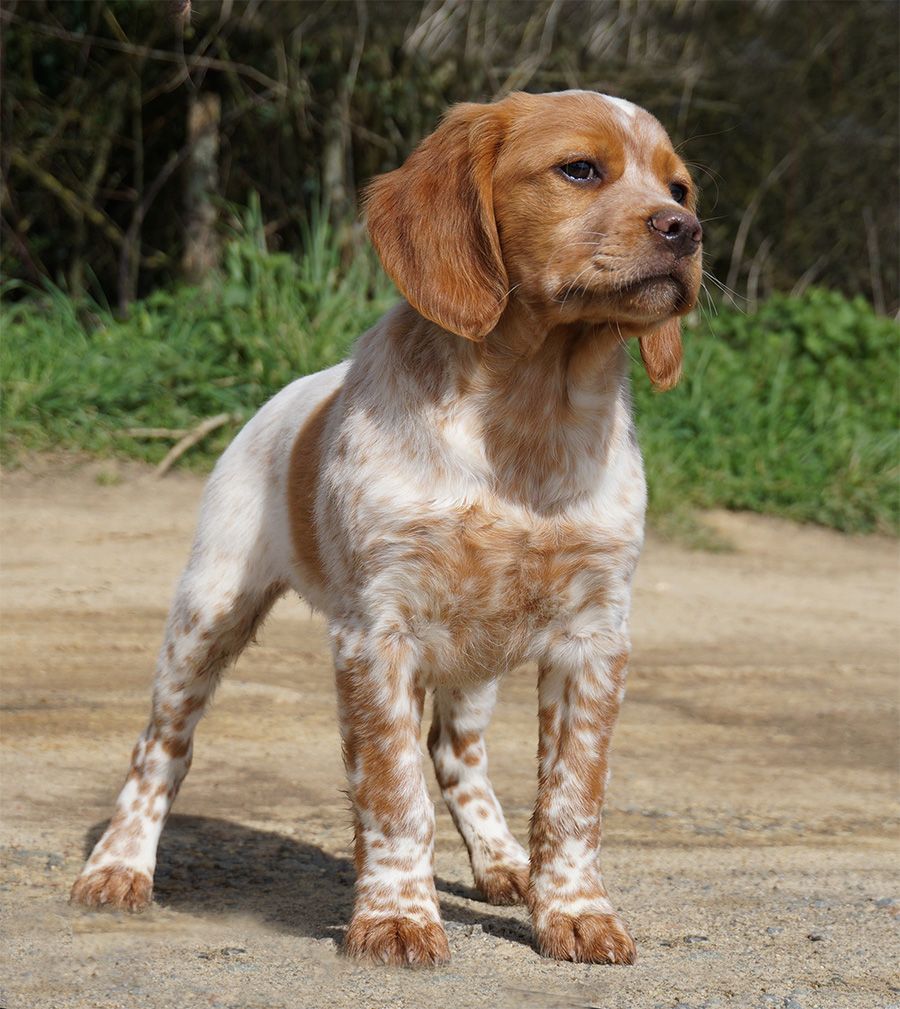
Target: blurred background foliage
790, 410
180, 230
787, 111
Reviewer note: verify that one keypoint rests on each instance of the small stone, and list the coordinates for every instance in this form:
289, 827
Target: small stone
885, 902
792, 1003
774, 930
816, 936
696, 938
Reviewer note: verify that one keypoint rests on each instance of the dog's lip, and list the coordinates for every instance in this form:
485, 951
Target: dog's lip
667, 283
630, 287
641, 297
681, 287
651, 278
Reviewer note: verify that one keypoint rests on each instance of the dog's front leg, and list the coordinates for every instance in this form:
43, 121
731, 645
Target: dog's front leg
580, 688
395, 916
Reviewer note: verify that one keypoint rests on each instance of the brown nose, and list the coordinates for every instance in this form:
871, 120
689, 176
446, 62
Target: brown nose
680, 231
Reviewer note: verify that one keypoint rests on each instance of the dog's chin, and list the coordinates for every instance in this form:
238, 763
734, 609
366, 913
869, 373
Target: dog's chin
653, 299
642, 302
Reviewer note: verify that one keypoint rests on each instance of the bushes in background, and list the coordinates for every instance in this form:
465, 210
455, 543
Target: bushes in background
792, 410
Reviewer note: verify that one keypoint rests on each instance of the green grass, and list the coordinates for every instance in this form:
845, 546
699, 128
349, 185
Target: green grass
75, 377
791, 411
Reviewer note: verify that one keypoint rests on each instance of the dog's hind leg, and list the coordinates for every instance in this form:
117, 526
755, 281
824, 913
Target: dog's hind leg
227, 589
456, 743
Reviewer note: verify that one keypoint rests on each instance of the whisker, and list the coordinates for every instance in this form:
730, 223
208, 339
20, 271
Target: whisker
624, 343
710, 311
571, 286
713, 177
731, 295
709, 172
701, 136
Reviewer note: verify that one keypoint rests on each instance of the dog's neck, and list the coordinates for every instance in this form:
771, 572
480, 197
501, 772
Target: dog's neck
550, 406
553, 401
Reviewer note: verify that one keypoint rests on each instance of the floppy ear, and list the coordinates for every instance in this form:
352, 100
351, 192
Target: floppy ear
432, 223
661, 354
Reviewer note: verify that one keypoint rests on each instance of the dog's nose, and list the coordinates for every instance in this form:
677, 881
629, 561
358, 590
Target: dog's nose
680, 230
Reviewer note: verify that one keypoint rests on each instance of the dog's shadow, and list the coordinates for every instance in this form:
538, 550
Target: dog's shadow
212, 866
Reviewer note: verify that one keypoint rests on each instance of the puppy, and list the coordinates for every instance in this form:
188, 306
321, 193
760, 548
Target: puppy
466, 494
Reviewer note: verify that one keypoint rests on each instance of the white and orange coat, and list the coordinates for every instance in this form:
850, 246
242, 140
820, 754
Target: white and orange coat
463, 496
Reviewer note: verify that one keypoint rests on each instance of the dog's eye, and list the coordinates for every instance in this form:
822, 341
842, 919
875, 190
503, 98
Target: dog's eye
580, 171
678, 191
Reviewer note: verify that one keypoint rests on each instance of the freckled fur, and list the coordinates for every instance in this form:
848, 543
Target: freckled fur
464, 495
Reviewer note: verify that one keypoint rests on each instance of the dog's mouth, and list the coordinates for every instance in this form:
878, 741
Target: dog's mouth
668, 289
663, 293
655, 281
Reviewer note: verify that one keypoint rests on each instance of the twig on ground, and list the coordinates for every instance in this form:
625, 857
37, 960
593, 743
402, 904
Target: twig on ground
191, 439
155, 432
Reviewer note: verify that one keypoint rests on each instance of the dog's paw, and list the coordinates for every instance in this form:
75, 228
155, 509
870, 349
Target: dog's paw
115, 886
504, 884
400, 942
585, 938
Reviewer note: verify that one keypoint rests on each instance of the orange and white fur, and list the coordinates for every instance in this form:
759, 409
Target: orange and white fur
464, 495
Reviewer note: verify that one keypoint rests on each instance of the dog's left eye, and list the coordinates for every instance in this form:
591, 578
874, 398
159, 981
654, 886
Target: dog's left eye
580, 171
678, 191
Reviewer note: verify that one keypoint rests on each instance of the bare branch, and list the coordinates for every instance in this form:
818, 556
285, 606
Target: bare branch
206, 62
192, 438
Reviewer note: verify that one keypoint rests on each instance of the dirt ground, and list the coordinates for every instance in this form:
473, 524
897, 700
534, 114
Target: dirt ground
750, 838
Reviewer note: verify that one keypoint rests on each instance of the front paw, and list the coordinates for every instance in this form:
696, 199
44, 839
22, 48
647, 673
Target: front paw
504, 884
590, 937
398, 941
116, 886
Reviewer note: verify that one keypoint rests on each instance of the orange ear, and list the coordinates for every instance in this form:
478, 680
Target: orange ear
661, 354
432, 223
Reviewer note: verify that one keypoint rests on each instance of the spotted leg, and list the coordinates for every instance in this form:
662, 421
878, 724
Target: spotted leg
580, 689
225, 592
456, 743
396, 919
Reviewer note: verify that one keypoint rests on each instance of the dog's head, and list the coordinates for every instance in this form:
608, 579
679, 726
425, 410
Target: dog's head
572, 204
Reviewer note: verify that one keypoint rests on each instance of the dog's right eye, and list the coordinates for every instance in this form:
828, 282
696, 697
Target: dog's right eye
580, 171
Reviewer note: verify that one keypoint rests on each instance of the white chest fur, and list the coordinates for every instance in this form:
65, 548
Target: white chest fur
419, 536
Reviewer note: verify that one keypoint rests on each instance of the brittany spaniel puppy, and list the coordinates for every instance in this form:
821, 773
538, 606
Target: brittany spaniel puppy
464, 495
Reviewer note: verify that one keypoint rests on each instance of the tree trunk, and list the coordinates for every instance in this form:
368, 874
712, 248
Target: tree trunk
201, 245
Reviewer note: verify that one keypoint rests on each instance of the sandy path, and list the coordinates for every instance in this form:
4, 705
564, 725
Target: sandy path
751, 835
